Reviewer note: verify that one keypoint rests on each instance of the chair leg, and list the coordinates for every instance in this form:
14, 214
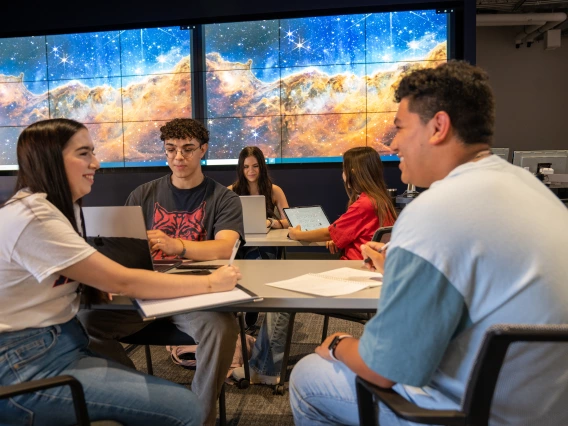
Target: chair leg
368, 410
325, 327
279, 389
243, 384
148, 360
222, 407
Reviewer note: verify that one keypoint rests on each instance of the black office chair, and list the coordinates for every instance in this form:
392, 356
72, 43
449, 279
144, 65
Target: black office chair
382, 235
163, 332
77, 395
479, 392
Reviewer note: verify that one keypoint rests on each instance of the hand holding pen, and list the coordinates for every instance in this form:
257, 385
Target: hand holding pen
374, 255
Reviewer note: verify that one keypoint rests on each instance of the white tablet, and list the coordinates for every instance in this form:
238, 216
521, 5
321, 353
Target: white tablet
309, 217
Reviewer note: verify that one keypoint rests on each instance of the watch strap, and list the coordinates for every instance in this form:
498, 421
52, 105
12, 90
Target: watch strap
334, 343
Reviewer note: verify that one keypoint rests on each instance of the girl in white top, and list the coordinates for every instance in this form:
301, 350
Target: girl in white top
43, 258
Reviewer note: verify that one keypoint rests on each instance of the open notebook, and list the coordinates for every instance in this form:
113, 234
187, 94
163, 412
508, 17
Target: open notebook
336, 282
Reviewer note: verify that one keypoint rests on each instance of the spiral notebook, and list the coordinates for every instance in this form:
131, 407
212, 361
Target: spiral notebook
336, 282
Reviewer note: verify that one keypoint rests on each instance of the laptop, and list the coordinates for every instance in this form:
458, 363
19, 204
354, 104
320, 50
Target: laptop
308, 217
254, 214
120, 234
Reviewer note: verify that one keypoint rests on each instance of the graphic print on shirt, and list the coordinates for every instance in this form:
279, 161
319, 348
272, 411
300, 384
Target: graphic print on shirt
179, 224
62, 280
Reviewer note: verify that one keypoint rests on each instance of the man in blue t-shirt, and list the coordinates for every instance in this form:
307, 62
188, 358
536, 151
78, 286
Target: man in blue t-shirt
485, 244
191, 216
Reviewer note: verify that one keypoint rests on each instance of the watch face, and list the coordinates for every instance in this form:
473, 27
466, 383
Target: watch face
334, 343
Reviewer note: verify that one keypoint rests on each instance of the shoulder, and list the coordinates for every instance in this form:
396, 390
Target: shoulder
363, 203
277, 191
150, 187
221, 191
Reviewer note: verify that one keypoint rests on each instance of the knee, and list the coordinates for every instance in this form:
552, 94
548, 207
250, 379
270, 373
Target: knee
305, 374
189, 410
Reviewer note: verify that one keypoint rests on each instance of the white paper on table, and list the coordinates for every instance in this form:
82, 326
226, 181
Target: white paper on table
161, 307
336, 282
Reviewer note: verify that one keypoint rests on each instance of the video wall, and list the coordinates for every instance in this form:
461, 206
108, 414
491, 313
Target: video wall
303, 89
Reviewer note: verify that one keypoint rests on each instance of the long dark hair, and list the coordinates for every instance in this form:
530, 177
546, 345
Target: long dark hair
240, 186
40, 161
363, 170
42, 169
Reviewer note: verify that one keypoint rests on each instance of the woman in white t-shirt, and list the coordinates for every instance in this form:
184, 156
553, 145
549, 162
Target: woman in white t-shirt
43, 258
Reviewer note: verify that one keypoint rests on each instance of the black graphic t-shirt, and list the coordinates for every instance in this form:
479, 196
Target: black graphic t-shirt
195, 214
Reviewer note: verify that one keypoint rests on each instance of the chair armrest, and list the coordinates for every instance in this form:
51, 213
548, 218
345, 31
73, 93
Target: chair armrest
52, 382
409, 411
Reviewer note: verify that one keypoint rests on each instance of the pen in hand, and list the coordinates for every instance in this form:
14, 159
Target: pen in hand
382, 249
234, 253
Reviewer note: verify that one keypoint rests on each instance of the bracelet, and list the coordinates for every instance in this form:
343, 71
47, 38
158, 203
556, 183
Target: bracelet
182, 254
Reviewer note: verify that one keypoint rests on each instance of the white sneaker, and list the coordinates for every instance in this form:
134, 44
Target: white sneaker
255, 378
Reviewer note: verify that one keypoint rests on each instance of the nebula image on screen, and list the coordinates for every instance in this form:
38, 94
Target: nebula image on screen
122, 85
309, 89
302, 89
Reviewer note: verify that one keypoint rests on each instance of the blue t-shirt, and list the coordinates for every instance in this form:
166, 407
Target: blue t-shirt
486, 245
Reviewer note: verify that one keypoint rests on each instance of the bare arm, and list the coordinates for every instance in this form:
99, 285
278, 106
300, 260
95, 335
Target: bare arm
281, 204
321, 234
347, 352
219, 248
100, 272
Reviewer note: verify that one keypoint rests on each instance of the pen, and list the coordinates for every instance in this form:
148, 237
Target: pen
383, 248
234, 253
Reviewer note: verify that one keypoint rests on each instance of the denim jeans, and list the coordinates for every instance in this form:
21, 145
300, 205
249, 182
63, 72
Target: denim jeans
268, 350
323, 393
112, 391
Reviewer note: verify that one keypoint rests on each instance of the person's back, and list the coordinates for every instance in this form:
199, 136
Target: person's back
498, 235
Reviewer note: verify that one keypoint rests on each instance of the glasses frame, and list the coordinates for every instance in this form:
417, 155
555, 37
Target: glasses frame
180, 150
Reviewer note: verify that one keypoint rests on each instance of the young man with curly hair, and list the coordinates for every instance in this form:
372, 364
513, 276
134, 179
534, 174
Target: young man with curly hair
192, 216
485, 244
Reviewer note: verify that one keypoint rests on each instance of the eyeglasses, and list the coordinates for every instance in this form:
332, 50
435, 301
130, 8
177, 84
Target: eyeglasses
185, 152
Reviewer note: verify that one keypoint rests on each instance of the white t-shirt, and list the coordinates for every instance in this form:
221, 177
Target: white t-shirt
37, 241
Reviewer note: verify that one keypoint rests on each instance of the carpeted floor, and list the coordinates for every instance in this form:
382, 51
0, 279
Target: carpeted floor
257, 405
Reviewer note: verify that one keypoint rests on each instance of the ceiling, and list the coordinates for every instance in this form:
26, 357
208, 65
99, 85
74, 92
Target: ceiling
525, 6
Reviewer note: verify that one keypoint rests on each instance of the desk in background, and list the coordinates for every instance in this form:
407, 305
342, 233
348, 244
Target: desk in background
277, 238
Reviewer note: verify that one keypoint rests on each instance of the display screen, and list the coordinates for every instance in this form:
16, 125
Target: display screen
303, 89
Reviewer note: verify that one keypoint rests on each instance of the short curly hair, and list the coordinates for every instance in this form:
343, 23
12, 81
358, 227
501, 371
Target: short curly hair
184, 128
458, 88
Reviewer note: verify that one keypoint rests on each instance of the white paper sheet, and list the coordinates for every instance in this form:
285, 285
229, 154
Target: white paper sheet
336, 282
161, 307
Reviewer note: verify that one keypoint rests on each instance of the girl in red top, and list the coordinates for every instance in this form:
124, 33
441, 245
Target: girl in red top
369, 207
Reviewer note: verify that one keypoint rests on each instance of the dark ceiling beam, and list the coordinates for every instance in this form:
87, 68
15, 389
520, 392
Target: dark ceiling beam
518, 5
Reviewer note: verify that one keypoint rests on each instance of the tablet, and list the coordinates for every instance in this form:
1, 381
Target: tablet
309, 217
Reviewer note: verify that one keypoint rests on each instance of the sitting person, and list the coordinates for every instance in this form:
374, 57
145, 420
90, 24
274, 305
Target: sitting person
253, 179
370, 207
43, 259
485, 244
189, 216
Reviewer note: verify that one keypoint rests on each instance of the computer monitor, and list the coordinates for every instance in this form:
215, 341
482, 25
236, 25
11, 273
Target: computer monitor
557, 160
501, 152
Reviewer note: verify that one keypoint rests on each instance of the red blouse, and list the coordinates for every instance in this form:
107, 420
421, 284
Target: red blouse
355, 227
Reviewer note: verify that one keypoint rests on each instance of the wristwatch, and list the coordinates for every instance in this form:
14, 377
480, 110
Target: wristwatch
334, 344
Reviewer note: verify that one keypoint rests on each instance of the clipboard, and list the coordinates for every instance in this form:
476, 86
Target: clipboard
158, 308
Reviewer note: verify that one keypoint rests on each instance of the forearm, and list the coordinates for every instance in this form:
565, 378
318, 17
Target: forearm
106, 275
208, 250
321, 234
348, 352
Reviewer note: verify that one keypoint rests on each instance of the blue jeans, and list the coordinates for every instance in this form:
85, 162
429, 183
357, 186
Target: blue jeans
268, 350
257, 253
323, 393
112, 391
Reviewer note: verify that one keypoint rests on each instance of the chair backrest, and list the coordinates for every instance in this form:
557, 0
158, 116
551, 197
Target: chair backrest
383, 234
485, 372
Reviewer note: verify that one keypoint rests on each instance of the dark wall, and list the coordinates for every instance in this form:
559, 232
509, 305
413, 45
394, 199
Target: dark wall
303, 185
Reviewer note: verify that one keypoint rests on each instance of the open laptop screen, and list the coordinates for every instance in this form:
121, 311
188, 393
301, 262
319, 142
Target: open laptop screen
309, 217
120, 234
